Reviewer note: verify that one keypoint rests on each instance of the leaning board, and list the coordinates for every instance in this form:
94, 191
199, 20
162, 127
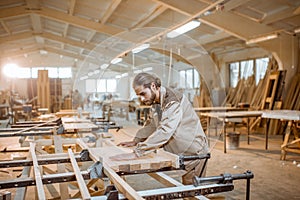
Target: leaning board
153, 161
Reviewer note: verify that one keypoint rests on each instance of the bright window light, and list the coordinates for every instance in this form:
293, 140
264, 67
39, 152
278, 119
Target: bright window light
52, 72
24, 72
65, 72
183, 29
11, 70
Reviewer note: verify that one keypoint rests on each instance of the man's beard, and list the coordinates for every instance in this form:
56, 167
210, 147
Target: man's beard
151, 100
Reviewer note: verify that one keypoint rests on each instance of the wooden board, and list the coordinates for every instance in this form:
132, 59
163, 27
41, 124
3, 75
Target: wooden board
153, 161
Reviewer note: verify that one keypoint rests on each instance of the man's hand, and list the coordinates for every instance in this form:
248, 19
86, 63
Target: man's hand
127, 144
124, 156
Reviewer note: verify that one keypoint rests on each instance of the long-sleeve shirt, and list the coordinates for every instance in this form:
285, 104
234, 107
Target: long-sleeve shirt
173, 125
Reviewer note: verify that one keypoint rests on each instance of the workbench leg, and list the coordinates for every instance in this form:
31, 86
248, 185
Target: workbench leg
267, 131
208, 130
286, 140
248, 130
224, 136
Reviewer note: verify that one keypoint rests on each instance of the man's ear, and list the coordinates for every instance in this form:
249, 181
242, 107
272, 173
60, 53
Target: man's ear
153, 86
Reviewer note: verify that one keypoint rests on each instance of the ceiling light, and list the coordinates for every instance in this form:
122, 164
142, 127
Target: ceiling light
147, 69
297, 30
97, 71
10, 70
183, 29
140, 48
83, 78
118, 76
43, 52
116, 60
262, 39
104, 66
90, 73
137, 71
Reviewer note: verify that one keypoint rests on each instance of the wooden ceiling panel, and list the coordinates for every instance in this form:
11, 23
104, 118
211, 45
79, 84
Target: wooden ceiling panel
75, 28
20, 24
129, 13
78, 33
91, 9
98, 38
56, 4
11, 3
167, 19
53, 26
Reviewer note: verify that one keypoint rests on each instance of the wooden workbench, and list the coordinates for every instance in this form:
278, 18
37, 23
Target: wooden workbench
227, 116
291, 143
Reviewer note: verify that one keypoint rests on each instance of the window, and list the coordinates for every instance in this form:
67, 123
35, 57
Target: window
246, 68
261, 68
90, 85
101, 85
189, 78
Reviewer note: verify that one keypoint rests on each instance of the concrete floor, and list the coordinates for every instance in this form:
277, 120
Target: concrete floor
274, 179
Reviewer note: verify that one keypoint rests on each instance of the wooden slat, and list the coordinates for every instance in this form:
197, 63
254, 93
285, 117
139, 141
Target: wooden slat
120, 184
153, 161
63, 187
37, 174
82, 186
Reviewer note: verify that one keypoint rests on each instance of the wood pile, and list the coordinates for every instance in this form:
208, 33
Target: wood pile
247, 91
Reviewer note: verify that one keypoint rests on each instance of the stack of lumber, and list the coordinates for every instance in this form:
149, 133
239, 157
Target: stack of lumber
292, 99
43, 89
247, 91
202, 100
153, 161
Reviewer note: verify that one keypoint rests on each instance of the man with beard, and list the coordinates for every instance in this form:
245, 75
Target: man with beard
173, 125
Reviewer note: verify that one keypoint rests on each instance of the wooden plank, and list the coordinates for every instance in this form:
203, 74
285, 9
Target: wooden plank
120, 184
152, 161
82, 186
37, 174
63, 187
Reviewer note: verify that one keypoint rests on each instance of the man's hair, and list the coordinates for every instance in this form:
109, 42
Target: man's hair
145, 79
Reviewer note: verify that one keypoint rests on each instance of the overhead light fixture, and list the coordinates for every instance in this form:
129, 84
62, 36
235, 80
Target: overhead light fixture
297, 30
97, 71
90, 73
116, 60
183, 29
83, 78
262, 39
140, 48
104, 66
137, 71
147, 69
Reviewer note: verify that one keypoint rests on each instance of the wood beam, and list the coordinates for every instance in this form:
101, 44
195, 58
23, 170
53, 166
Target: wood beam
232, 4
81, 183
19, 52
78, 21
36, 23
59, 16
33, 4
72, 4
3, 24
158, 10
110, 10
283, 14
228, 22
